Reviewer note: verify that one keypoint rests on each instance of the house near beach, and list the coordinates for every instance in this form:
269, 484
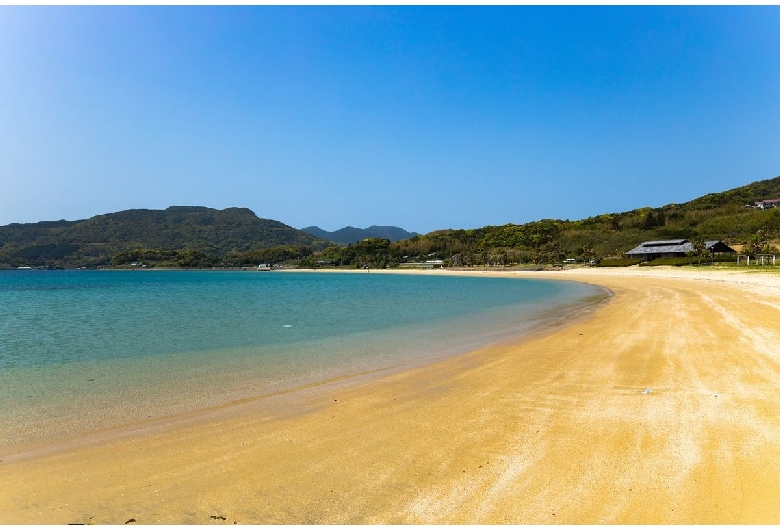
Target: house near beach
674, 248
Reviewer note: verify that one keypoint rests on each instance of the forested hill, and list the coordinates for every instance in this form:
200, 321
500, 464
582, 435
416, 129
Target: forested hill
350, 234
204, 237
730, 216
742, 196
95, 241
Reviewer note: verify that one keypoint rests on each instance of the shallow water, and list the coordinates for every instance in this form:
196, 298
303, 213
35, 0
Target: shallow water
81, 350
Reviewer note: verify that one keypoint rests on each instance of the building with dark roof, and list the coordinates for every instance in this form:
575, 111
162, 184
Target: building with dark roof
768, 203
673, 248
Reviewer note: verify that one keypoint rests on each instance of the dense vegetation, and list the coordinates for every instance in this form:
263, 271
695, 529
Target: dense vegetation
350, 234
723, 216
187, 236
236, 237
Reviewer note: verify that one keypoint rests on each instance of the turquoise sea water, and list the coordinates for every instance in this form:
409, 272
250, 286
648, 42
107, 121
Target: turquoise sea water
81, 350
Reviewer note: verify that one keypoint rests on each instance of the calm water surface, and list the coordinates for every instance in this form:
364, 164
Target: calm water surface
81, 350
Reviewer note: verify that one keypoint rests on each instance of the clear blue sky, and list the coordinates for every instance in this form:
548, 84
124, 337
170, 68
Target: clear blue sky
421, 117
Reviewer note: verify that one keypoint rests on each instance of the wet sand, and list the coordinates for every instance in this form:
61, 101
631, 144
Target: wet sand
659, 407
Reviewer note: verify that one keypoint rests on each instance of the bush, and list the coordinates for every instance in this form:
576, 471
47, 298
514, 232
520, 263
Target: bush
619, 262
676, 262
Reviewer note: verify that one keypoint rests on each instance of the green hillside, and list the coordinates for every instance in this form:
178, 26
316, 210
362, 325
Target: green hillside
716, 216
350, 234
174, 234
186, 236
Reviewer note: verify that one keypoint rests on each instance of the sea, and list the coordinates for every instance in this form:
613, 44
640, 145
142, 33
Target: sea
82, 350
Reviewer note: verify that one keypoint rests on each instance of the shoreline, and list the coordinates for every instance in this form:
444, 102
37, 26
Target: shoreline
63, 438
657, 407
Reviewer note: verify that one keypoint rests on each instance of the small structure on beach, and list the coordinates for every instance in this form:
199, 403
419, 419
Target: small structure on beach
674, 248
428, 264
758, 259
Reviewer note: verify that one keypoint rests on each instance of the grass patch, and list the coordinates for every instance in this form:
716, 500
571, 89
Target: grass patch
676, 262
619, 262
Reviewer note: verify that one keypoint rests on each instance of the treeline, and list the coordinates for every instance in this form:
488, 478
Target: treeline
727, 216
197, 237
195, 258
539, 242
192, 236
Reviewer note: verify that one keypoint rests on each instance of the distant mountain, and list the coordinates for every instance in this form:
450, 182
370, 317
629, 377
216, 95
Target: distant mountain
95, 240
350, 234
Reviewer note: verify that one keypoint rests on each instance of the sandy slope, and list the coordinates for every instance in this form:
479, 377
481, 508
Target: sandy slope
663, 406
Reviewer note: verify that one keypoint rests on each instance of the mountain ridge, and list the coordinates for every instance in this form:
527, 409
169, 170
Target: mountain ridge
93, 241
350, 234
198, 236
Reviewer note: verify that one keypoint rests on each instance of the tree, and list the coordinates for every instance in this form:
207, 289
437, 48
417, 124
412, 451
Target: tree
699, 249
758, 242
590, 253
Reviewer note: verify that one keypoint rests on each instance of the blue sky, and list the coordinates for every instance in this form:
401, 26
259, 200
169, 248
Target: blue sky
421, 117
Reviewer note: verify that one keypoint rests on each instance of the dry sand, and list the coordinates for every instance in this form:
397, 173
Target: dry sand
661, 406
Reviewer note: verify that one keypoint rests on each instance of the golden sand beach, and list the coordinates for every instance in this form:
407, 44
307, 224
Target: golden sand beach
661, 406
